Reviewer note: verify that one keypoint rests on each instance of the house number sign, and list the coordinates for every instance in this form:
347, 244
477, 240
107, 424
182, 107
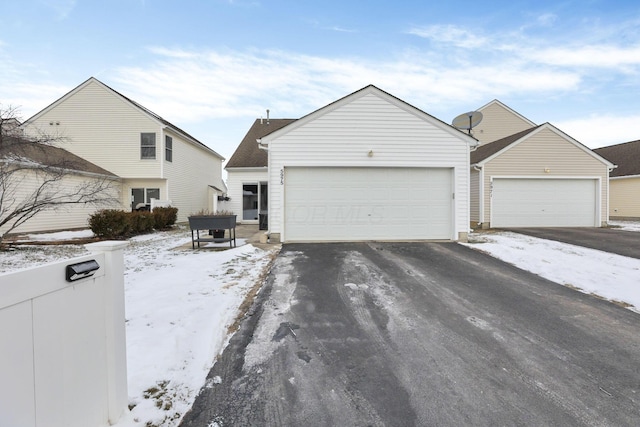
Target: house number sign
281, 176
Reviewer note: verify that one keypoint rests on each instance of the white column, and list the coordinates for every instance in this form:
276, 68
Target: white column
115, 325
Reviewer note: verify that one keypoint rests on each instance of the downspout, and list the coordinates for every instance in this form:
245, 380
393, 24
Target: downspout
608, 206
480, 190
267, 235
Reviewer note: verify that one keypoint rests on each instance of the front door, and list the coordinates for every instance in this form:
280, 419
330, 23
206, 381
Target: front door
254, 201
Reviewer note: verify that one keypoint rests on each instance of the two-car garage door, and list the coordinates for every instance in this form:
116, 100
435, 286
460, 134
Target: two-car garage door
531, 202
340, 204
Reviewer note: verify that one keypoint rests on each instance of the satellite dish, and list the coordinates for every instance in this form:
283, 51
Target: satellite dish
467, 120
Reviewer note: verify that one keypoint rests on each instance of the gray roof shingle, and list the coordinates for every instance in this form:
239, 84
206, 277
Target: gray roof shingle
625, 155
489, 149
18, 149
248, 155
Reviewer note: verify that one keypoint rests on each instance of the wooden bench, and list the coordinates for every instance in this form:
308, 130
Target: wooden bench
211, 223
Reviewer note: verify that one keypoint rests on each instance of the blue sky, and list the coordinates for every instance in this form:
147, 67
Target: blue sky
212, 66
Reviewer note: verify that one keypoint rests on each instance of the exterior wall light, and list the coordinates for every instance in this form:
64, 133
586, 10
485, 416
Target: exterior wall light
81, 270
370, 153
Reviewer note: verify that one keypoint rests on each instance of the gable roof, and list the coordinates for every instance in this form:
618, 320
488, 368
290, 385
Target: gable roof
21, 150
248, 154
145, 110
371, 89
490, 150
487, 150
506, 107
625, 155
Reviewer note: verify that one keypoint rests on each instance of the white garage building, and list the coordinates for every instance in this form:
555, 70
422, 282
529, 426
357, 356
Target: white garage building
368, 167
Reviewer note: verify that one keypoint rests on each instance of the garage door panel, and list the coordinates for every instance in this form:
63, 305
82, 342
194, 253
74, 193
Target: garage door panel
522, 202
367, 204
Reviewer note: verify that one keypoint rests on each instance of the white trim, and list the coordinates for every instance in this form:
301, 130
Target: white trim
247, 169
506, 107
598, 192
624, 177
371, 89
481, 196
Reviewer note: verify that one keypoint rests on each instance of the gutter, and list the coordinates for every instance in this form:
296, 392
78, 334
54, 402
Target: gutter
262, 146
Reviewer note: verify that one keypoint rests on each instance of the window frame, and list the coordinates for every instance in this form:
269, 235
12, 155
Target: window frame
168, 149
145, 144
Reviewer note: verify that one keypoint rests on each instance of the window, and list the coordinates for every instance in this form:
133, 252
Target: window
168, 148
147, 145
141, 198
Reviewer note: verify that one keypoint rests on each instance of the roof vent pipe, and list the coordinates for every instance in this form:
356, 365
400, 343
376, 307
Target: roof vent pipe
267, 116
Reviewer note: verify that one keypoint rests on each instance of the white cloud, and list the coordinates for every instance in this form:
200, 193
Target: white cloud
602, 130
595, 56
196, 85
450, 34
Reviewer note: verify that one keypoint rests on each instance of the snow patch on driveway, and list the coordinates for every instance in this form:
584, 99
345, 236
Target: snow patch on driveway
613, 277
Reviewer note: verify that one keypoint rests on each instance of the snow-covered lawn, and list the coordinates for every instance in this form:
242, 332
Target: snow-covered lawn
613, 277
180, 307
181, 303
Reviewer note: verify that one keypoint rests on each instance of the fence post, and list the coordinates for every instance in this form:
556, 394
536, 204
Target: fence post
115, 325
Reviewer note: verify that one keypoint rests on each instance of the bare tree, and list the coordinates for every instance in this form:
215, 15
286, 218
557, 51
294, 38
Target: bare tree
36, 176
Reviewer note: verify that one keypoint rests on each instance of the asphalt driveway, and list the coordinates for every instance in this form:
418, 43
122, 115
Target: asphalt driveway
611, 240
420, 334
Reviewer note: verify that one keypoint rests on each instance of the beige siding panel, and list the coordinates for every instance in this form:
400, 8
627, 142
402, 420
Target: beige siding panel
545, 150
474, 196
625, 197
189, 177
235, 180
498, 122
368, 132
102, 127
64, 218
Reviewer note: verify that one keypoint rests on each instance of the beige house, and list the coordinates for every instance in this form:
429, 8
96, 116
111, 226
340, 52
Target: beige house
624, 181
499, 121
156, 160
538, 177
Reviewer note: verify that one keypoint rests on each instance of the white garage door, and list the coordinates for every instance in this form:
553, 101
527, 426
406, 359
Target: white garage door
523, 202
340, 204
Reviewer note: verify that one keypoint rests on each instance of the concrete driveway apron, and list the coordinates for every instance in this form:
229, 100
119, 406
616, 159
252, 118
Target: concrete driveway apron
421, 334
610, 240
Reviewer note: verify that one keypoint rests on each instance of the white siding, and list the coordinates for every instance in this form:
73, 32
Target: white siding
235, 179
344, 135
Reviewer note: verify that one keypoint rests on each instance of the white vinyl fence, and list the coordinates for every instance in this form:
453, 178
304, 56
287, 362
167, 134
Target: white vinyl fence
62, 342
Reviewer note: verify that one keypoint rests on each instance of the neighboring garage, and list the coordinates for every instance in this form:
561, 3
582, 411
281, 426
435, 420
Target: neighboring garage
368, 167
539, 177
537, 202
